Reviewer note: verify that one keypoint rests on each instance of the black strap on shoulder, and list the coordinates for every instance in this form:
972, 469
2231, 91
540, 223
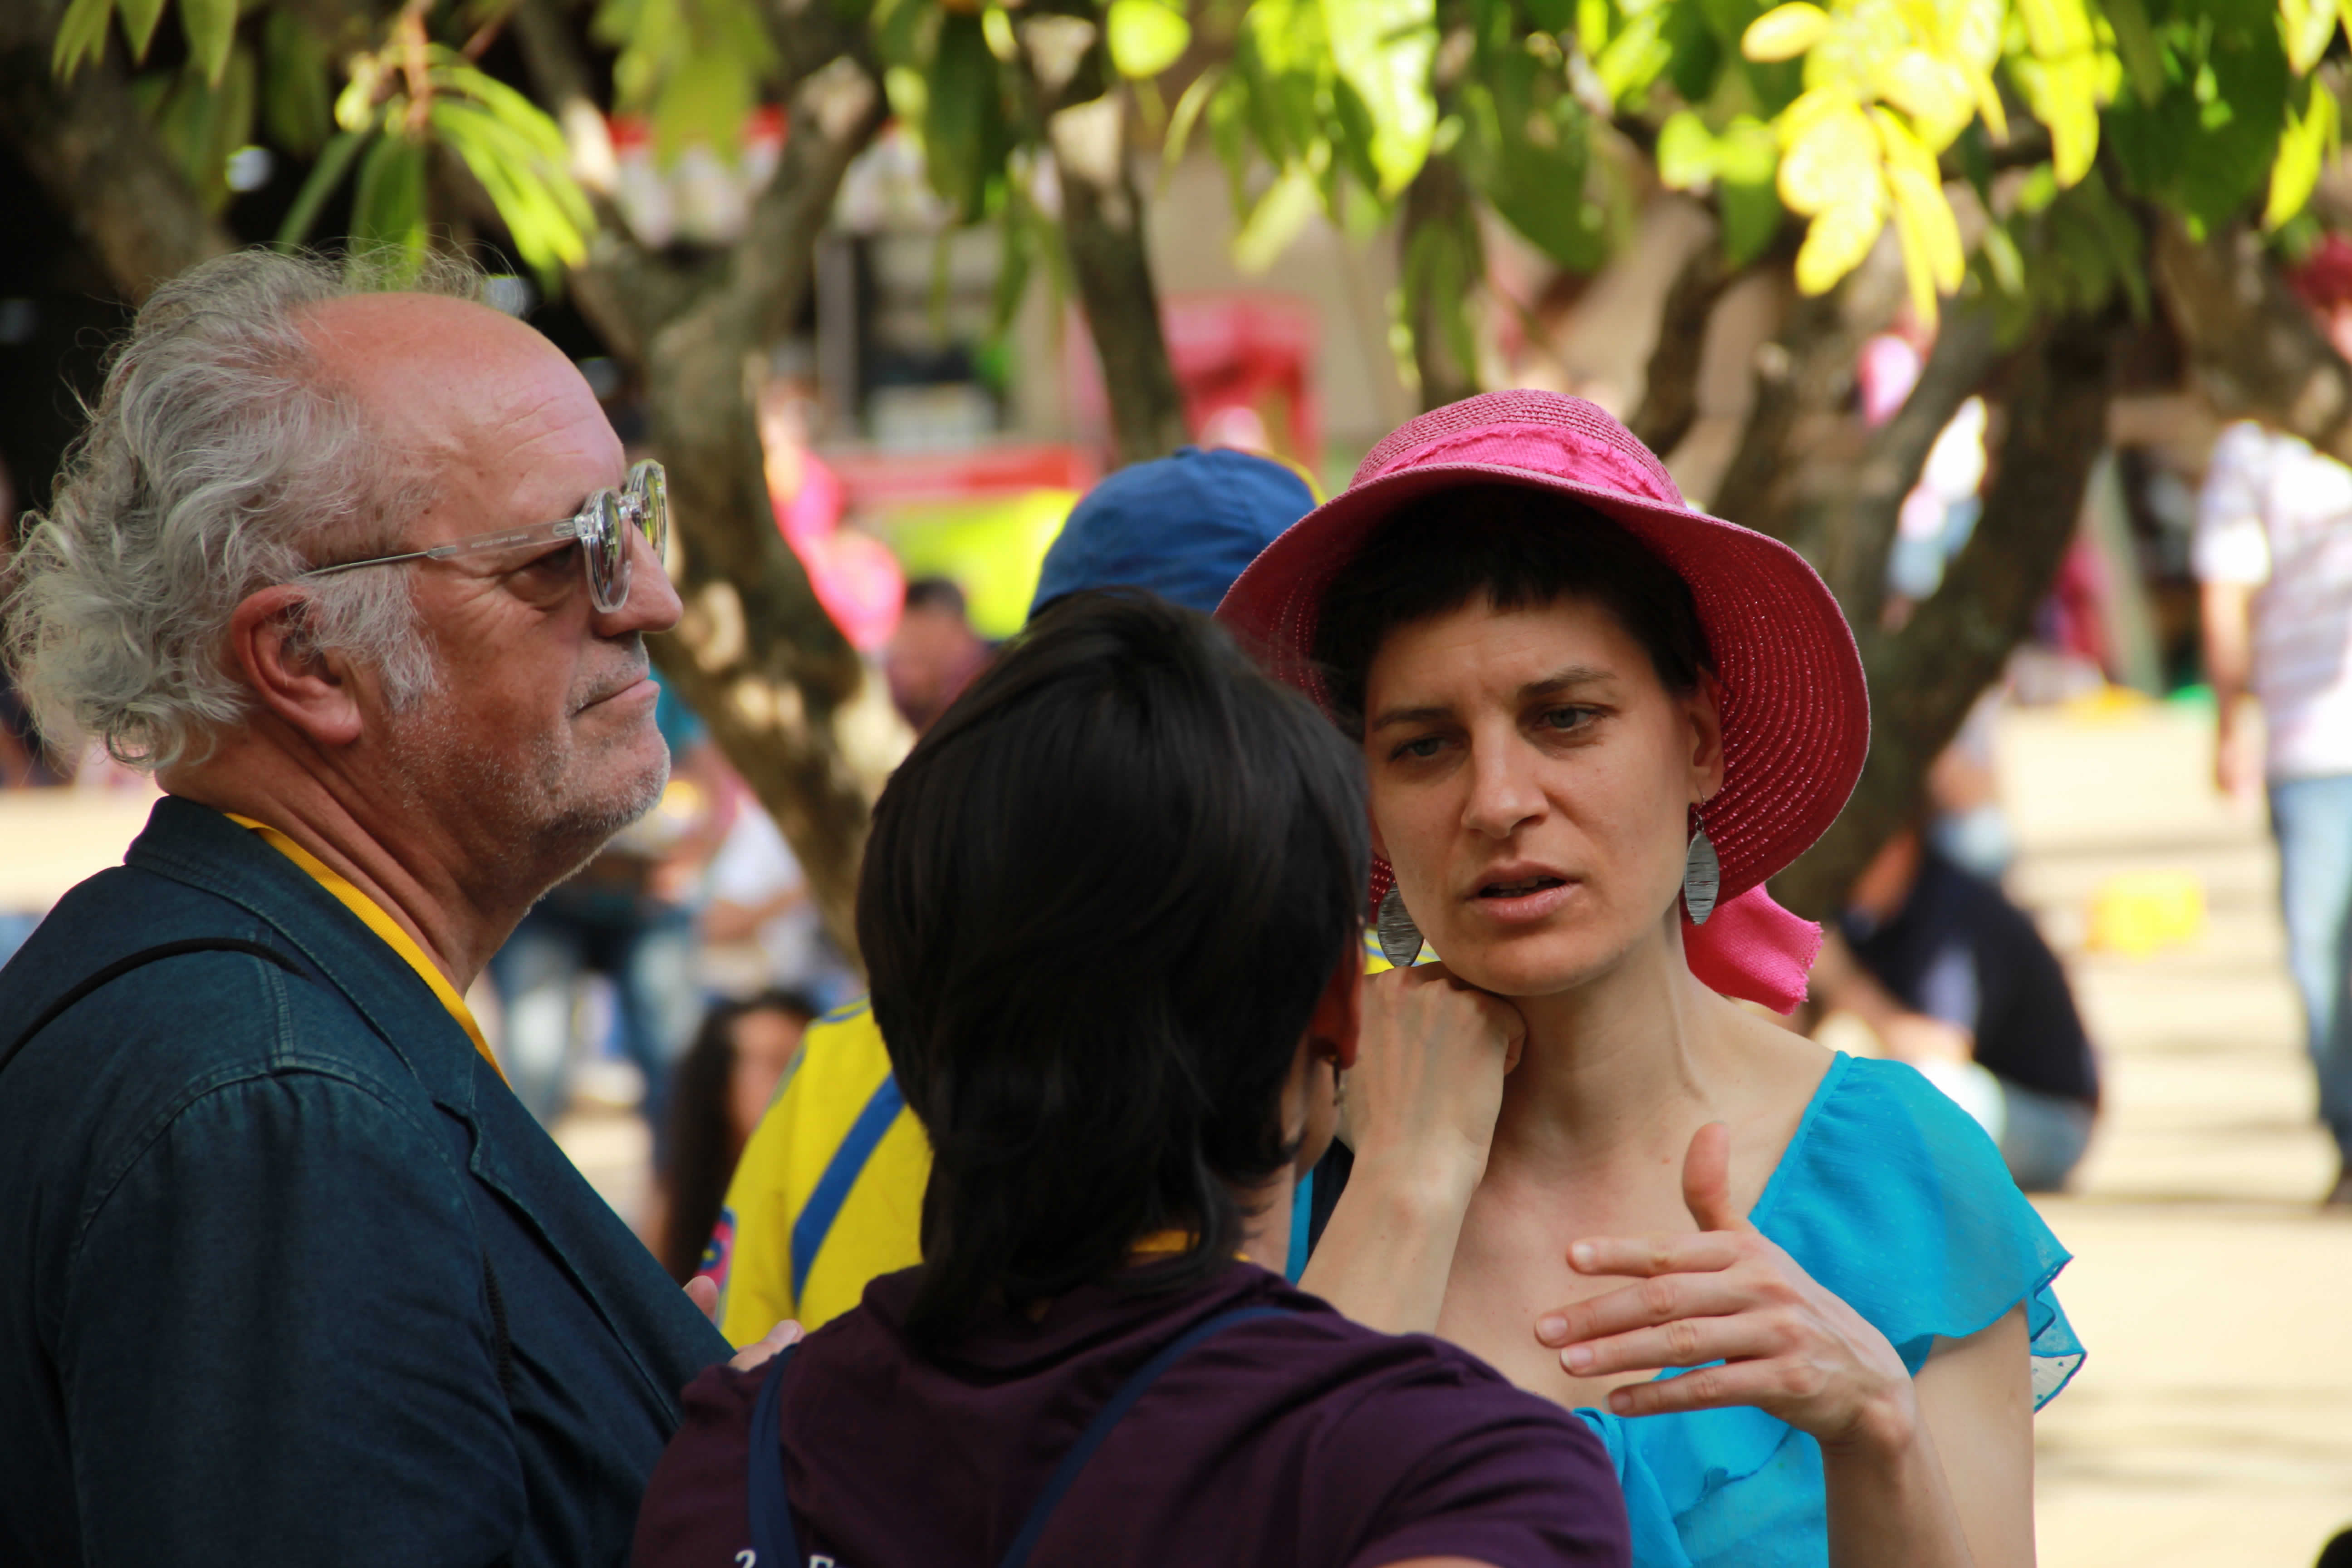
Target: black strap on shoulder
140, 960
773, 1544
1066, 1474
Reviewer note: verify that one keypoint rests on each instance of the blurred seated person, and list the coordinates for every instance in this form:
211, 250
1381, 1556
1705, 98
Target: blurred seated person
739, 1059
1954, 979
625, 915
934, 653
1112, 907
760, 923
829, 1194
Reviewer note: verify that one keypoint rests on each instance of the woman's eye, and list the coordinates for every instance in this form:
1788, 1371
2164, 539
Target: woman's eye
1426, 747
1559, 719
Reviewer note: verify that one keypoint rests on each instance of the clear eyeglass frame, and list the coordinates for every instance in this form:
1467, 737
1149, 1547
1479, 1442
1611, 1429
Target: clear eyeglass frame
601, 527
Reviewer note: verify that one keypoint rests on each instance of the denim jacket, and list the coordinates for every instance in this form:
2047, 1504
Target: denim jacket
259, 1229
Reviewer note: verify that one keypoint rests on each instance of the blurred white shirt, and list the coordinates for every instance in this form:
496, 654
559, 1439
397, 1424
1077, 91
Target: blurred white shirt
754, 867
2277, 516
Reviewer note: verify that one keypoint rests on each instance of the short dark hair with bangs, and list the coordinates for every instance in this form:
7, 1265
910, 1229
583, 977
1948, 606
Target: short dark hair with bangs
1517, 547
1099, 902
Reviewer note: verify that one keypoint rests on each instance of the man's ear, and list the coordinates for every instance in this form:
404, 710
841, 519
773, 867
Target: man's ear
1705, 707
1338, 1017
269, 645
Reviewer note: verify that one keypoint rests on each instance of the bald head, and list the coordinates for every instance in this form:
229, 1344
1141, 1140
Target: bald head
483, 408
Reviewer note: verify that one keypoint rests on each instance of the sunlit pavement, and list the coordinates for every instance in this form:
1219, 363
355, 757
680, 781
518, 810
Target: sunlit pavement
2213, 1424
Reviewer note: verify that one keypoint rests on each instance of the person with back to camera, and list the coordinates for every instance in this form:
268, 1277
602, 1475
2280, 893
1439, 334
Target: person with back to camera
1109, 908
1594, 721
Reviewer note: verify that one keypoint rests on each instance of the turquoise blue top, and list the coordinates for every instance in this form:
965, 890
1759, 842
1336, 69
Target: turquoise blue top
1893, 1199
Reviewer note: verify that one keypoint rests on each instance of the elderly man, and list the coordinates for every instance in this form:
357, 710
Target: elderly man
290, 1275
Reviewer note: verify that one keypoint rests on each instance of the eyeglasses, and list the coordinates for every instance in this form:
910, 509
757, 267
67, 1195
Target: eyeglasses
601, 527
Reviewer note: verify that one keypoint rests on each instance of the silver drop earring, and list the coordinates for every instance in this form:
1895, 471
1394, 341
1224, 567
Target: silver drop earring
1400, 938
1702, 873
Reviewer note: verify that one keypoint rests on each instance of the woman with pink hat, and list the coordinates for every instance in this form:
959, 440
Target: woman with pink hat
1594, 721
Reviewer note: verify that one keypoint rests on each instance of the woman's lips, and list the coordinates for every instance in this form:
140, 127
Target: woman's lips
1522, 901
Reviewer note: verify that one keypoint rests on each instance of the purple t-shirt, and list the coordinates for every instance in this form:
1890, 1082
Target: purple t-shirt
1295, 1440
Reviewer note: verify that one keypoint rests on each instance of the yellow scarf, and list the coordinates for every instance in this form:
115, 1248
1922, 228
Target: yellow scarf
373, 916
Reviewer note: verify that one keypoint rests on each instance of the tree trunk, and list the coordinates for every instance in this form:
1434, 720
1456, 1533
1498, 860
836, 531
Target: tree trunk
795, 709
2255, 347
1441, 263
1669, 405
1073, 96
1924, 680
97, 160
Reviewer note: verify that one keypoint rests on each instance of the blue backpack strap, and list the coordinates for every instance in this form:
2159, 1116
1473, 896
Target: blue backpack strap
1110, 1417
773, 1544
841, 1173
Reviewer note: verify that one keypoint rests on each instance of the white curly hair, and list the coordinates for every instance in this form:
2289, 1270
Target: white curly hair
218, 460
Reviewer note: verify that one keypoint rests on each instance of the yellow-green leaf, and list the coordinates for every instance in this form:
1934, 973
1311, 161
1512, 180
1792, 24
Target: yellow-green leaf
2309, 139
2306, 27
1383, 48
1146, 37
1836, 243
211, 27
1685, 156
1784, 32
1934, 92
138, 19
81, 36
1928, 219
2056, 28
1276, 219
1832, 163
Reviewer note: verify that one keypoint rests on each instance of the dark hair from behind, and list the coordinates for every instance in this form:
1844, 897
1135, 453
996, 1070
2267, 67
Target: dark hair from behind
1099, 902
1516, 546
936, 594
702, 1147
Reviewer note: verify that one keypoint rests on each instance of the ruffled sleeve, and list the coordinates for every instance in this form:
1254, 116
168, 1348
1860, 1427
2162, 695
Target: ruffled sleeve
1892, 1198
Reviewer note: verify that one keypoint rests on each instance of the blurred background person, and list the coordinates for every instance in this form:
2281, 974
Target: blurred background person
739, 1059
1951, 977
627, 916
934, 653
2273, 558
761, 929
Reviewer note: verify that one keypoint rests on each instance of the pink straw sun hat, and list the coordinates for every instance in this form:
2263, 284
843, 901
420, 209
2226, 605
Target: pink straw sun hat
1796, 709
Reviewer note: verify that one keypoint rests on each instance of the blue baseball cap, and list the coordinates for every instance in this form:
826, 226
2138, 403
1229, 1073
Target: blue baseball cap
1183, 527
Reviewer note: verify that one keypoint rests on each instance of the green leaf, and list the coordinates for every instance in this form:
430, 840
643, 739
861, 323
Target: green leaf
1186, 115
1383, 49
201, 124
545, 214
965, 138
1146, 37
211, 27
388, 206
1686, 153
1276, 219
81, 36
2136, 42
1751, 215
325, 175
297, 84
138, 19
702, 102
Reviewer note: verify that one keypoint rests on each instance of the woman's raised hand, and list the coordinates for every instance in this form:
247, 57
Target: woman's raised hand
1729, 1295
1428, 1079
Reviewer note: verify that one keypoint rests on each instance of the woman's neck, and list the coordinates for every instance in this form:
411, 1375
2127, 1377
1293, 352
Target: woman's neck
1606, 1065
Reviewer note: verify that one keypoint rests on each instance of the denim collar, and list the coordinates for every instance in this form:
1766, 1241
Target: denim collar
199, 846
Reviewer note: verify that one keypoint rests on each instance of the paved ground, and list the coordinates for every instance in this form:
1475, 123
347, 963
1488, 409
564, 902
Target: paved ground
2212, 1425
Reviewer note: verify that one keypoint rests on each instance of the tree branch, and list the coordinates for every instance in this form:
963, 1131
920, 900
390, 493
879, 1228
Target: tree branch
1073, 96
90, 148
1669, 405
1857, 540
2253, 346
1925, 678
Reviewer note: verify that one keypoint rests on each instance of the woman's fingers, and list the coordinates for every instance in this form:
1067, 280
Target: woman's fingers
1661, 1299
1641, 1255
1764, 1384
1684, 1342
1706, 1179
